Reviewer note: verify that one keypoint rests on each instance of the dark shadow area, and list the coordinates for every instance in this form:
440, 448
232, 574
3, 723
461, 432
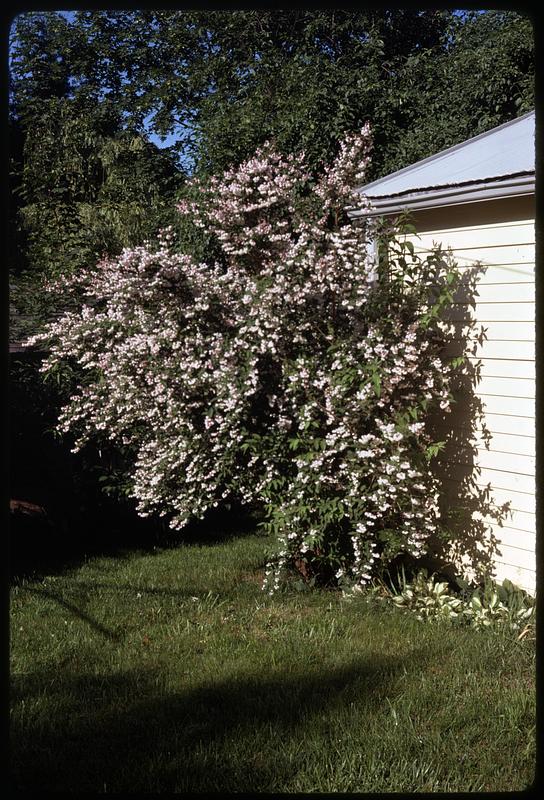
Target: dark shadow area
59, 514
120, 733
463, 503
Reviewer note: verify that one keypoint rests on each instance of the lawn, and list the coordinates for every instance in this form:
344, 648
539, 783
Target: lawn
171, 671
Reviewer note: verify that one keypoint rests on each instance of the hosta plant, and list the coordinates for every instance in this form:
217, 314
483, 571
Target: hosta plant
493, 605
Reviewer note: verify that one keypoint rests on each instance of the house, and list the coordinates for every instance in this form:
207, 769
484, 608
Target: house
478, 198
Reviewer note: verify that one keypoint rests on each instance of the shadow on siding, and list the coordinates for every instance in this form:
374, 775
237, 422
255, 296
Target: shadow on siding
467, 508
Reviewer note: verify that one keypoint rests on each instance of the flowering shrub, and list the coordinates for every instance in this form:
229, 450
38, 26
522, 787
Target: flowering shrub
297, 370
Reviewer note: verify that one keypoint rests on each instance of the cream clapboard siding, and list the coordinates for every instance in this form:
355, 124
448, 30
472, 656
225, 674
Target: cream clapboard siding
505, 307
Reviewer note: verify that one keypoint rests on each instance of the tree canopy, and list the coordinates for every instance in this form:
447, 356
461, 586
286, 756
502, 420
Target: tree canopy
90, 90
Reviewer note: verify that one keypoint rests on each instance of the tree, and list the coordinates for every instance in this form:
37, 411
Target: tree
86, 92
482, 76
83, 184
225, 81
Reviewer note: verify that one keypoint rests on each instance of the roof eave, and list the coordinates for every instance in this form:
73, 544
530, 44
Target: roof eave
449, 151
508, 186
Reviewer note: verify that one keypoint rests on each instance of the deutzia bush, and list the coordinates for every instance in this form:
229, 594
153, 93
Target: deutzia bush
296, 370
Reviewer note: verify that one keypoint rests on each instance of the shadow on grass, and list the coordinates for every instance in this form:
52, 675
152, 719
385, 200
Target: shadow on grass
114, 588
44, 545
122, 733
76, 611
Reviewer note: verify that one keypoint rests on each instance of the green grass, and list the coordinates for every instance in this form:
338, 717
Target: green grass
173, 671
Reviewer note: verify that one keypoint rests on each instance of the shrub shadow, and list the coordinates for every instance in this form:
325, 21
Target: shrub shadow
467, 508
52, 543
121, 733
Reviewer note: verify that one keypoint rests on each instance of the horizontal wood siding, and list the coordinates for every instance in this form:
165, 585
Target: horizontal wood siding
509, 331
503, 234
502, 273
505, 307
505, 462
494, 292
511, 406
519, 501
520, 521
514, 351
509, 443
507, 387
504, 423
511, 255
506, 368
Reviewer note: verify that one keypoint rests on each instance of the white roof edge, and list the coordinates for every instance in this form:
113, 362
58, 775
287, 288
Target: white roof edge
450, 195
364, 189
